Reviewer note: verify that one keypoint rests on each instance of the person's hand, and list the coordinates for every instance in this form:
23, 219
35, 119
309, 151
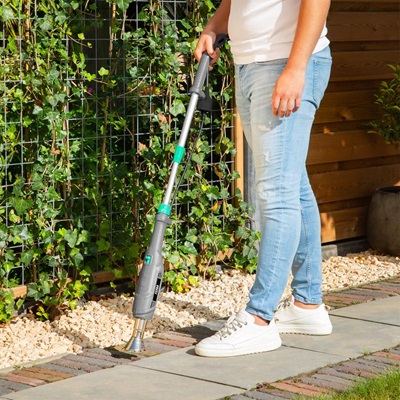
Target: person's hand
286, 96
206, 43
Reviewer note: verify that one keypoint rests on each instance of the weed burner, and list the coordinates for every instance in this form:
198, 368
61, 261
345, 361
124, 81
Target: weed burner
151, 274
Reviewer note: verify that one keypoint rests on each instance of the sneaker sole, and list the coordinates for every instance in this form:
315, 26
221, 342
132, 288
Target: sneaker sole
204, 352
306, 330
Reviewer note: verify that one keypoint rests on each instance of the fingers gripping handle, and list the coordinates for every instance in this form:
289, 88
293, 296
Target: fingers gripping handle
202, 70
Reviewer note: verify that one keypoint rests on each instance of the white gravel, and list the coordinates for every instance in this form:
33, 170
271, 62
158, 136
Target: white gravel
108, 322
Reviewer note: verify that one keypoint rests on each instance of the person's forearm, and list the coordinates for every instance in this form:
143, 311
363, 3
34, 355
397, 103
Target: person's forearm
286, 97
219, 21
312, 17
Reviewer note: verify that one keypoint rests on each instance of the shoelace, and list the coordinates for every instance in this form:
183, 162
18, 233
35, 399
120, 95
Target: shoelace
232, 325
285, 303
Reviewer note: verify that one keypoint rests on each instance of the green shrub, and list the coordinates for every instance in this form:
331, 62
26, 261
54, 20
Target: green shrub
388, 100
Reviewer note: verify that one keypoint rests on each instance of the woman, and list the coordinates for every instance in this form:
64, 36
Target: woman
282, 67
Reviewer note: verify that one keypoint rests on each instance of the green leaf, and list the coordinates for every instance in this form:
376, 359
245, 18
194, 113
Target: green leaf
20, 204
84, 237
174, 258
45, 284
27, 256
71, 237
105, 227
6, 13
103, 245
177, 108
20, 234
47, 24
198, 212
52, 194
37, 110
213, 193
85, 272
33, 292
103, 71
7, 266
76, 257
188, 248
122, 4
37, 181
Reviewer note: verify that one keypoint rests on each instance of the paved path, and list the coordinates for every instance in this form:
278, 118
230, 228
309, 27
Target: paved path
365, 342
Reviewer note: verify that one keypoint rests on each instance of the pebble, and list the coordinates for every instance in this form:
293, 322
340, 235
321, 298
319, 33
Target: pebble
108, 322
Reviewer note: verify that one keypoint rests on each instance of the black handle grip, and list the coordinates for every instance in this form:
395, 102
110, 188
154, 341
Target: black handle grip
202, 70
220, 40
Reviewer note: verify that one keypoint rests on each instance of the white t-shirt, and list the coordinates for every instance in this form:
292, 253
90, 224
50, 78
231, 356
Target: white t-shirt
263, 30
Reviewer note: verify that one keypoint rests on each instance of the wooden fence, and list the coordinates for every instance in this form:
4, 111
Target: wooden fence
345, 163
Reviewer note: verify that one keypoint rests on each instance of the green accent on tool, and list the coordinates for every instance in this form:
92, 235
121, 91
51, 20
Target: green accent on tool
179, 152
164, 209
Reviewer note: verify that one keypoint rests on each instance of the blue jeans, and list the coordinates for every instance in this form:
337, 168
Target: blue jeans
290, 221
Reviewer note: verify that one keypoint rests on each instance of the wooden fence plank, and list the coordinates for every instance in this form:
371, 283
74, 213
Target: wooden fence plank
238, 138
357, 183
363, 26
345, 146
355, 86
363, 163
344, 205
18, 291
347, 106
364, 5
342, 224
363, 65
338, 126
363, 46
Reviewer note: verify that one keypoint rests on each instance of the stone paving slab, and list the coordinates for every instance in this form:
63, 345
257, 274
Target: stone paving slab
350, 338
126, 382
244, 371
385, 311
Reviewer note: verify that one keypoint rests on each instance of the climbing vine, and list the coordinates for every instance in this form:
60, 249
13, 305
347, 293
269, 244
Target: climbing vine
86, 148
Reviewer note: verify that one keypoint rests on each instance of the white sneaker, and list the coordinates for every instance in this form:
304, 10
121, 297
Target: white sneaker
239, 336
292, 319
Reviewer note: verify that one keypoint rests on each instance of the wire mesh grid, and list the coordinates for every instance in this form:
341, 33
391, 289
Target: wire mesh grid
84, 128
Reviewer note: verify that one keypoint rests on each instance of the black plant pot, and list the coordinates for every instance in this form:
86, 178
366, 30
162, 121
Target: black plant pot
383, 223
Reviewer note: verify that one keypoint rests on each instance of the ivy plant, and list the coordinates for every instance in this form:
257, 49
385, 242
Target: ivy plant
86, 149
8, 306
